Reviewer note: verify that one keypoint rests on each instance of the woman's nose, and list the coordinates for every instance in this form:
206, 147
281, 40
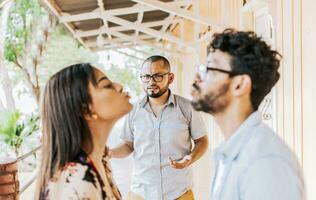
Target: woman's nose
118, 87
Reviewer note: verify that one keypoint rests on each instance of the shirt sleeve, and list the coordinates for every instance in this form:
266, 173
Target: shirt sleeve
273, 179
127, 134
197, 126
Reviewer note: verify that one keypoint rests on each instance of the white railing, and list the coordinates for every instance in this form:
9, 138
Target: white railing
26, 183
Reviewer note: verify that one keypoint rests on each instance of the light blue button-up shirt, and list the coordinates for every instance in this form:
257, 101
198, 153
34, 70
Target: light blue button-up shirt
255, 164
155, 139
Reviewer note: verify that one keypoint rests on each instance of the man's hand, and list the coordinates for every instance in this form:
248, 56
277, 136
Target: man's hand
183, 163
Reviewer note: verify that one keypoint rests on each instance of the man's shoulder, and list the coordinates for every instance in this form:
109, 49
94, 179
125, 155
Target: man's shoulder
182, 100
266, 143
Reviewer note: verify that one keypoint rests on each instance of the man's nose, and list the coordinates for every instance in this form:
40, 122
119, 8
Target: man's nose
197, 78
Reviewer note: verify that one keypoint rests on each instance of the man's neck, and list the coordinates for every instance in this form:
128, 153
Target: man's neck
160, 100
230, 120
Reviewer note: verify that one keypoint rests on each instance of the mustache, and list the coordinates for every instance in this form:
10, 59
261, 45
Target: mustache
151, 86
196, 87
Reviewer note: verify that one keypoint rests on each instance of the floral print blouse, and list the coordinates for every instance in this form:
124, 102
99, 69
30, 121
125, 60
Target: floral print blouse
79, 180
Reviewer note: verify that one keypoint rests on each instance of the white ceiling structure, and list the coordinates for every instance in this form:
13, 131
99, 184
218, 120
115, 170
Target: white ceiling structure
118, 24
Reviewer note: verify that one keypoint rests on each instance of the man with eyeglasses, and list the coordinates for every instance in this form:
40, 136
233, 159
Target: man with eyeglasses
253, 162
165, 134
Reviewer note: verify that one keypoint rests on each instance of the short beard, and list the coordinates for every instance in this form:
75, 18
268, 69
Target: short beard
159, 94
212, 103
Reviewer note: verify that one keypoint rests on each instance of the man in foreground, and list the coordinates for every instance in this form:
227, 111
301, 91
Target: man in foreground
253, 162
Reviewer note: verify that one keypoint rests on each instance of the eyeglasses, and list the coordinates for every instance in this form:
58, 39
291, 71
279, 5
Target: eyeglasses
202, 70
156, 77
230, 73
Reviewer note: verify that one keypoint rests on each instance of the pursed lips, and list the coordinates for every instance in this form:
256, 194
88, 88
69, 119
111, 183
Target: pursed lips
195, 89
126, 94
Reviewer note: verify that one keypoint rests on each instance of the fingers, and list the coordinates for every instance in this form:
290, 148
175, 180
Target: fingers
110, 154
184, 162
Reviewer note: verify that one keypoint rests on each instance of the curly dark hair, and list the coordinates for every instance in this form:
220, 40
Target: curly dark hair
251, 56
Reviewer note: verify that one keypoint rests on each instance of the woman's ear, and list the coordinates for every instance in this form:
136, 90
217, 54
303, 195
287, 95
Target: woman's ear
241, 85
91, 116
89, 113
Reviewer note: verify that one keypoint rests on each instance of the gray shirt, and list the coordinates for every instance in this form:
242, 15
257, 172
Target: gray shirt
155, 139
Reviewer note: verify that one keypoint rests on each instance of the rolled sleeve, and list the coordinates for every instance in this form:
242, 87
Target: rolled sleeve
197, 126
273, 179
127, 134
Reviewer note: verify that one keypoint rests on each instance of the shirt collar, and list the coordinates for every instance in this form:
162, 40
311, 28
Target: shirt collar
171, 100
231, 148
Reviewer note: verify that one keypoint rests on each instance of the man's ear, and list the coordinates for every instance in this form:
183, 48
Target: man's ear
241, 85
171, 78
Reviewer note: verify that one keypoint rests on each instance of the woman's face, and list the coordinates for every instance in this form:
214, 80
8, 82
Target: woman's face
108, 100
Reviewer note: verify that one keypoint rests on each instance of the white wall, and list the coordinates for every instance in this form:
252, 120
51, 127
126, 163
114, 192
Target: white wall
308, 52
295, 29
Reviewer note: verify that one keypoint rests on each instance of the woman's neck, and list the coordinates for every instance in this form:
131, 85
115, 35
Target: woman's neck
99, 134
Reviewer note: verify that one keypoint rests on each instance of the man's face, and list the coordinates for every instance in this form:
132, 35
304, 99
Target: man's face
211, 90
155, 78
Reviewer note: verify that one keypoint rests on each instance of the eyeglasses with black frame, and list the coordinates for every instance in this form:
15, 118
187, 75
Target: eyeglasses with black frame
230, 73
202, 70
156, 77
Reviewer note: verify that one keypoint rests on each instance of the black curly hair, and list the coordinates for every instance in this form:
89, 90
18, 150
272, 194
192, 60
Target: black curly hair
251, 56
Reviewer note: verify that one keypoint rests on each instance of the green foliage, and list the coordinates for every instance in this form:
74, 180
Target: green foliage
22, 17
14, 128
128, 77
63, 49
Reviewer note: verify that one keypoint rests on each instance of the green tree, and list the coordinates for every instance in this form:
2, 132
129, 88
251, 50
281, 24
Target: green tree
5, 80
63, 49
36, 47
28, 29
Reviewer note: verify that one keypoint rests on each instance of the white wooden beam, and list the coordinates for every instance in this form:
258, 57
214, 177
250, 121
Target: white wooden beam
180, 12
121, 46
175, 24
165, 26
141, 42
129, 55
139, 21
147, 30
119, 11
92, 42
56, 13
105, 22
122, 28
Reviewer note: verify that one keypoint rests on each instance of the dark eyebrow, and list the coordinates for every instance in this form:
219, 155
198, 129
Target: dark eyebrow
102, 78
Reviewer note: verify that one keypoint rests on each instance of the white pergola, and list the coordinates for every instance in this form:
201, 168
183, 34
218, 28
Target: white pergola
119, 24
